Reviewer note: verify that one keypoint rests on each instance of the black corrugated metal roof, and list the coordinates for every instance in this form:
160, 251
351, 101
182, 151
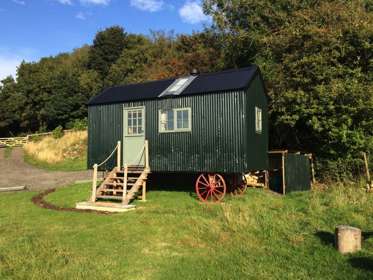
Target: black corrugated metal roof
234, 79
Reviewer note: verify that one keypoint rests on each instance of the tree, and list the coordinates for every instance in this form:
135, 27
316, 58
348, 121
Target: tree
132, 62
11, 106
107, 47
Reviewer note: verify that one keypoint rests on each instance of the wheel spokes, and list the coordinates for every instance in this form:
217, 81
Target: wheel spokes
210, 187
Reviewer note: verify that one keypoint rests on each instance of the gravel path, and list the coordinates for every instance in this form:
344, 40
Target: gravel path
15, 172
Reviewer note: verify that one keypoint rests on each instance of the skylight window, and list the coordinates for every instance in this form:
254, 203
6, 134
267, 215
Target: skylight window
179, 83
178, 86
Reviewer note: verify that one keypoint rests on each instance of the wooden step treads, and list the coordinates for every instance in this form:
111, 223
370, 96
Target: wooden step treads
132, 179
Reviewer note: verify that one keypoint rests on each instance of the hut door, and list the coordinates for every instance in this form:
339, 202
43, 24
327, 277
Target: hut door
134, 135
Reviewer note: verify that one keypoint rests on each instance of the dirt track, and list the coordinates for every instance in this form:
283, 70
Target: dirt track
38, 200
15, 172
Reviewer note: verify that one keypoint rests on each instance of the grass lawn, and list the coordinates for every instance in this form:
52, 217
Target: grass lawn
260, 235
66, 165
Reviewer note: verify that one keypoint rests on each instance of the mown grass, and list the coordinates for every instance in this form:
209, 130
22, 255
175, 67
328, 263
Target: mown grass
256, 236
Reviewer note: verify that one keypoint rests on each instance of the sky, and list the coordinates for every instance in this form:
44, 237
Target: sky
32, 29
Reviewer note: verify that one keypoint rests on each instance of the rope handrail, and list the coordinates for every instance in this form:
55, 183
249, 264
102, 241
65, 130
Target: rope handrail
116, 147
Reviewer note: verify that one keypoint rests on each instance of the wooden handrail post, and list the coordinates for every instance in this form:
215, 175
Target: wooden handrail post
146, 154
125, 183
118, 155
94, 183
143, 198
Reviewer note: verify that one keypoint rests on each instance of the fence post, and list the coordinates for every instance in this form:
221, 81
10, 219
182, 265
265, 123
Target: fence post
283, 173
94, 183
118, 155
312, 168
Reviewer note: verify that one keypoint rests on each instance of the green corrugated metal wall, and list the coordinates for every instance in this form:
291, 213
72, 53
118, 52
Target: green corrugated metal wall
257, 146
219, 140
105, 126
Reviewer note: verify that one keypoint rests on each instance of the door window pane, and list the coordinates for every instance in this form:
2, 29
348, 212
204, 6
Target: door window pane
135, 122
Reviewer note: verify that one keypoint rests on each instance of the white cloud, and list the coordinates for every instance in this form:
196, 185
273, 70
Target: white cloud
19, 2
96, 2
11, 58
148, 5
8, 65
81, 16
65, 2
84, 2
192, 12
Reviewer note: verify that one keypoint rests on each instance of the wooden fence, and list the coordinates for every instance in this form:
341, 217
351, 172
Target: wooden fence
20, 141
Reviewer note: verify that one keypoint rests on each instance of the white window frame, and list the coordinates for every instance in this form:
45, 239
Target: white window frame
258, 120
132, 109
175, 110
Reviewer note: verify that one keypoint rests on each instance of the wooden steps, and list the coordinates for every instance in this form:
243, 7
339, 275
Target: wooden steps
123, 184
120, 184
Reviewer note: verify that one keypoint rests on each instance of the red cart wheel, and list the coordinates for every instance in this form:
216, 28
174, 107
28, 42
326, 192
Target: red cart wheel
210, 187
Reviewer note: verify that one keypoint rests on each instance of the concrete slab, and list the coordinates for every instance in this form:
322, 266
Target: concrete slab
12, 189
104, 206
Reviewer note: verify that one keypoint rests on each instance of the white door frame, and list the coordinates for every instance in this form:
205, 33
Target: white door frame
133, 143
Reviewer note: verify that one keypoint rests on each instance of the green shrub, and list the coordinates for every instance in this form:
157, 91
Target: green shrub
78, 124
58, 132
340, 169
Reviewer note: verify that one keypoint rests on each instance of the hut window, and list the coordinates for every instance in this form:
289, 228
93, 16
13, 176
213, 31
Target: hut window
182, 119
166, 120
258, 120
175, 120
135, 122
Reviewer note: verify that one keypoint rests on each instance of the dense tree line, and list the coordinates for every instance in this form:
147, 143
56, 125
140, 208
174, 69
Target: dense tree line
316, 58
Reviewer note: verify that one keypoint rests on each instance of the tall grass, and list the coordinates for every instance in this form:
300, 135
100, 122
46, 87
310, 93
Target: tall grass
71, 146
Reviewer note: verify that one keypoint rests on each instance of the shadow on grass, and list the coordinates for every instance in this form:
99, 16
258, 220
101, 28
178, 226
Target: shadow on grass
367, 234
326, 238
364, 263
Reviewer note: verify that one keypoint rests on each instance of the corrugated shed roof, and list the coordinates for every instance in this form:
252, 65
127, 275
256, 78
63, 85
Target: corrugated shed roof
228, 80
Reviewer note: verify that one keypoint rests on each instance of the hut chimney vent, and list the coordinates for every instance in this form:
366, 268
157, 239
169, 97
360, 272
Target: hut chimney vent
194, 72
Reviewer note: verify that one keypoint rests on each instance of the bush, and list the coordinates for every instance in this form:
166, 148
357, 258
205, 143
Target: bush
57, 132
78, 124
340, 169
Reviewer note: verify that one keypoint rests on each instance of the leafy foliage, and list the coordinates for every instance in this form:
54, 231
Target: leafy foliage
57, 132
106, 49
78, 125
